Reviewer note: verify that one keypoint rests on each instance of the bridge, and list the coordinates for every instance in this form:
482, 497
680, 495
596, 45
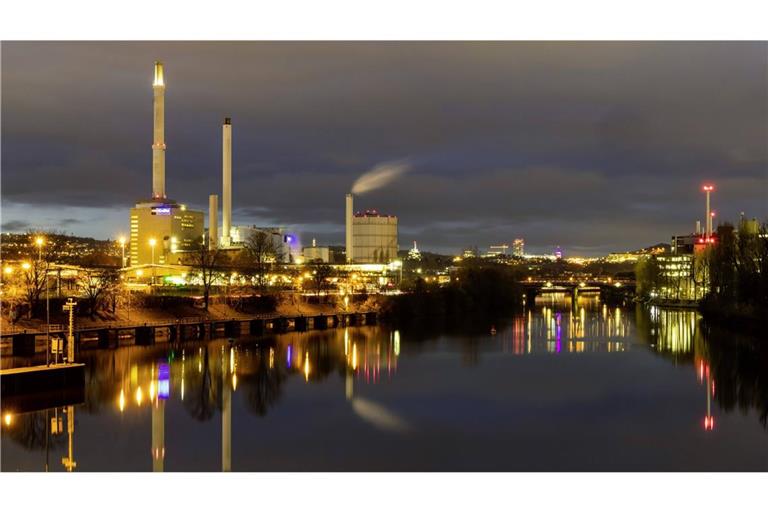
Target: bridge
25, 342
608, 289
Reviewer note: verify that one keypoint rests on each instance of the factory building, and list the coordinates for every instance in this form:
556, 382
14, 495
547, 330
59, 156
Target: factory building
287, 243
374, 237
160, 226
315, 253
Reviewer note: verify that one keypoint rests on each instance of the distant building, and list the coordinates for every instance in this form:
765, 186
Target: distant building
414, 253
518, 247
287, 242
558, 254
374, 237
170, 226
315, 253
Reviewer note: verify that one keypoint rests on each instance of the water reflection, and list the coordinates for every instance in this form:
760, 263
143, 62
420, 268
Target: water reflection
148, 387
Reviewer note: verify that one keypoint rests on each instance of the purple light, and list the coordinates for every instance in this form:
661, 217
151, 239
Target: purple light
289, 356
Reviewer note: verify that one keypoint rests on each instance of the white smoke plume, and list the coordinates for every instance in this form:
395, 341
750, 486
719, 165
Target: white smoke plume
379, 176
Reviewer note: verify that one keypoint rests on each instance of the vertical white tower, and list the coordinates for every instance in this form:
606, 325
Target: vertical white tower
158, 146
226, 166
213, 221
349, 213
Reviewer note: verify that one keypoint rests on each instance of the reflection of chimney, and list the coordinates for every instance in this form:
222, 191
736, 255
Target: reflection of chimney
213, 221
349, 229
226, 165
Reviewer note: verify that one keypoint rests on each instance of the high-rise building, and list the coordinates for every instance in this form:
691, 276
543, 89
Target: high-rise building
518, 247
161, 226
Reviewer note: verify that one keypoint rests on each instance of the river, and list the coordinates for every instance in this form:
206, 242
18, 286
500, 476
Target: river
559, 386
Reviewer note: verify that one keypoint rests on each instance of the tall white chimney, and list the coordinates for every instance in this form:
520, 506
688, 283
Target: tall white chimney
213, 221
698, 227
226, 165
158, 145
350, 249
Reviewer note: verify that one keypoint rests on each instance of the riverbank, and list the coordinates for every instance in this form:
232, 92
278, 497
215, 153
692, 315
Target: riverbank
169, 311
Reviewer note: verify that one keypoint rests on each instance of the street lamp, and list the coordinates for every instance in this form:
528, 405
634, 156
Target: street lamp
39, 241
122, 249
152, 243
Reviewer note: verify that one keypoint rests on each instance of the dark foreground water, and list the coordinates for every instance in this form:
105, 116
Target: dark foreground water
558, 387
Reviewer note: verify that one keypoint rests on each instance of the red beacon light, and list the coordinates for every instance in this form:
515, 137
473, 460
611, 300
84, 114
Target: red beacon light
708, 188
709, 422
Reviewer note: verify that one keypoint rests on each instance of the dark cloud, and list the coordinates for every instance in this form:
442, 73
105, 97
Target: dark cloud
593, 146
15, 225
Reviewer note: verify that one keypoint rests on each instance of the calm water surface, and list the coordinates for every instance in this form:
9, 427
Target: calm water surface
558, 387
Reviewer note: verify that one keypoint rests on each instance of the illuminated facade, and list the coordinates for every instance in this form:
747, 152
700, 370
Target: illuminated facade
518, 247
172, 226
374, 237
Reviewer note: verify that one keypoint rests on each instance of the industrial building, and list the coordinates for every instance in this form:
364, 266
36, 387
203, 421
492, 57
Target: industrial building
160, 226
374, 237
371, 237
315, 253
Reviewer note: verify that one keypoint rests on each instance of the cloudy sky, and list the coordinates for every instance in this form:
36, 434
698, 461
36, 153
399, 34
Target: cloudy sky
594, 147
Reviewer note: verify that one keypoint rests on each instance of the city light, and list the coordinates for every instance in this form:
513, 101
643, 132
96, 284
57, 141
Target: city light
8, 270
8, 419
26, 265
39, 241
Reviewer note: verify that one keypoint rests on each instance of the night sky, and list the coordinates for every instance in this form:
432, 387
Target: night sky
595, 147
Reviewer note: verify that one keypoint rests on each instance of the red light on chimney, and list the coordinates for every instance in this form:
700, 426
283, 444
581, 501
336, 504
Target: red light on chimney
708, 188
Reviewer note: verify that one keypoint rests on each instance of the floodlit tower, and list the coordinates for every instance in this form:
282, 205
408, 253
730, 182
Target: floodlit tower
158, 146
226, 193
708, 219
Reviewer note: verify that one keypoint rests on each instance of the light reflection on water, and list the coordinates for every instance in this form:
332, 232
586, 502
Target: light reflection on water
414, 399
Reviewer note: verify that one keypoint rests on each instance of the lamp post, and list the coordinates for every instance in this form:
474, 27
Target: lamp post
40, 241
152, 243
122, 250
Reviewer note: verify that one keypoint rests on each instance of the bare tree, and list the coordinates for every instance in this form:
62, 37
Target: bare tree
261, 253
208, 262
39, 259
320, 274
97, 286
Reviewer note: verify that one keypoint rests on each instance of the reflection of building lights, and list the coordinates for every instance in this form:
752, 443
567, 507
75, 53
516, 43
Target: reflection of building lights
397, 343
121, 401
151, 391
709, 422
354, 356
231, 360
271, 357
8, 419
306, 366
163, 381
234, 382
288, 356
139, 395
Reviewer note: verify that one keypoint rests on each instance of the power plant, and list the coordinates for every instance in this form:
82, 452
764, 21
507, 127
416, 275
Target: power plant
161, 226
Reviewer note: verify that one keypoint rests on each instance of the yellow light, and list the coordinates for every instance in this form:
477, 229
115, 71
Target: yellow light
39, 241
121, 401
25, 265
152, 242
8, 419
306, 366
122, 240
151, 391
139, 273
8, 270
271, 357
354, 356
139, 395
231, 360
